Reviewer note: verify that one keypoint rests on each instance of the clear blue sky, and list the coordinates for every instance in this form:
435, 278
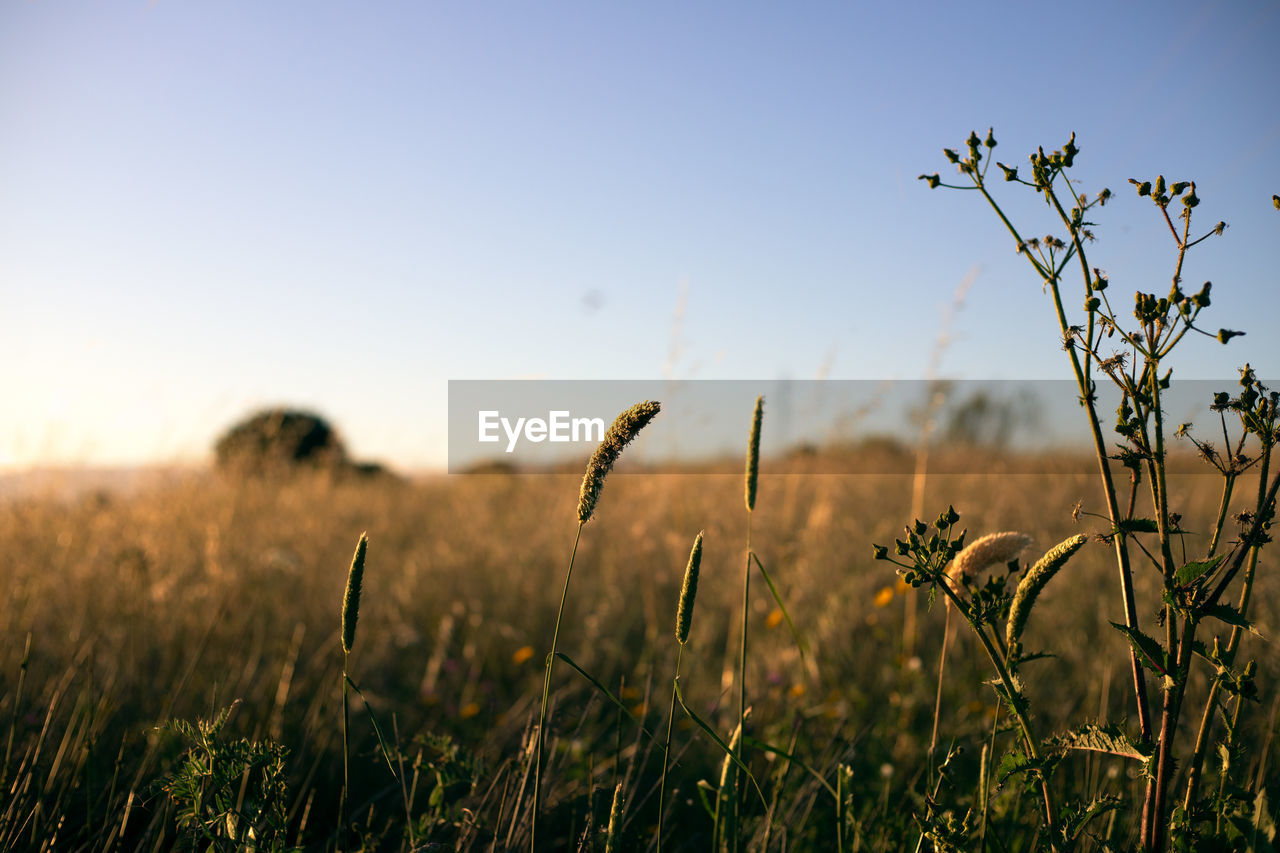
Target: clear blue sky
206, 207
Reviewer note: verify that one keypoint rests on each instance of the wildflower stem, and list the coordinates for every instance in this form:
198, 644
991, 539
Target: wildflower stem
1012, 693
1086, 388
1196, 763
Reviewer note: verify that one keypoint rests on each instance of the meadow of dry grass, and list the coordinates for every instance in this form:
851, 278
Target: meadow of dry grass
176, 602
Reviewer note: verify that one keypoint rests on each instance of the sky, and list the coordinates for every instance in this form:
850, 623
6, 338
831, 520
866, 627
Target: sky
210, 207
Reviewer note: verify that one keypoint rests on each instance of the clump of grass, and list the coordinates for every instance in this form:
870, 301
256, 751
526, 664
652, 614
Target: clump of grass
231, 794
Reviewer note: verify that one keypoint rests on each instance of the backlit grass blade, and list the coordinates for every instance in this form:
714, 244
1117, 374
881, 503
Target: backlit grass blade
800, 643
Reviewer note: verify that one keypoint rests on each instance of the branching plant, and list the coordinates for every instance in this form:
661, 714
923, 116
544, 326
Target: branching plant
1192, 589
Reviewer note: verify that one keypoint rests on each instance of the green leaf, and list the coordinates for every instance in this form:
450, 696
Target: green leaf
1230, 615
1150, 653
1197, 569
1075, 819
800, 643
765, 747
715, 737
382, 742
1139, 525
605, 690
1110, 739
1013, 762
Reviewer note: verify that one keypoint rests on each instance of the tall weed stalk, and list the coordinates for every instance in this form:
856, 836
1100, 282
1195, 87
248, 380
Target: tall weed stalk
1192, 590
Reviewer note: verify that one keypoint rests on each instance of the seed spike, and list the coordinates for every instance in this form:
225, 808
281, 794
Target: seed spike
753, 453
619, 435
689, 591
351, 599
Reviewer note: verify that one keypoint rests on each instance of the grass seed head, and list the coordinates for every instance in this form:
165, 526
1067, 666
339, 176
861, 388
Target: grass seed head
992, 549
689, 592
351, 599
753, 454
615, 821
619, 435
1034, 580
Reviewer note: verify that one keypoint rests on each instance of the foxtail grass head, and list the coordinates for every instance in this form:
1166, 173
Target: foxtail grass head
689, 592
351, 599
990, 550
1033, 581
619, 435
753, 454
614, 830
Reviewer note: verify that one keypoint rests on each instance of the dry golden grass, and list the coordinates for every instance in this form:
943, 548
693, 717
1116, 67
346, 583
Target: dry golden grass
174, 603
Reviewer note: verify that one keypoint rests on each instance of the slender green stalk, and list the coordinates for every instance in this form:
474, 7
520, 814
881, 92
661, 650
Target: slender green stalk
626, 426
684, 621
752, 475
350, 617
546, 693
1085, 385
666, 751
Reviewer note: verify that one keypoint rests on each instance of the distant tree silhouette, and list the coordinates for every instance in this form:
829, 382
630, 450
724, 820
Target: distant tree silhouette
280, 441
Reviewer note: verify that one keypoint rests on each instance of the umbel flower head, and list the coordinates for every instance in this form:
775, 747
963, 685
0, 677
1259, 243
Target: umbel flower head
625, 427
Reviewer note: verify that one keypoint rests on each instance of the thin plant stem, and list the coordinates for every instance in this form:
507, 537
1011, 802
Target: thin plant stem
346, 753
1089, 400
546, 692
937, 704
666, 749
742, 682
1206, 720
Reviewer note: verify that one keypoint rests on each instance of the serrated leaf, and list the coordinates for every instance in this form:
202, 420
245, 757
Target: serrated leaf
1230, 615
1014, 761
1150, 653
1196, 569
1075, 820
1110, 739
1035, 656
1139, 525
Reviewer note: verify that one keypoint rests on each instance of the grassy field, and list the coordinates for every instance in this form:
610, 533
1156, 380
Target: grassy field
122, 614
